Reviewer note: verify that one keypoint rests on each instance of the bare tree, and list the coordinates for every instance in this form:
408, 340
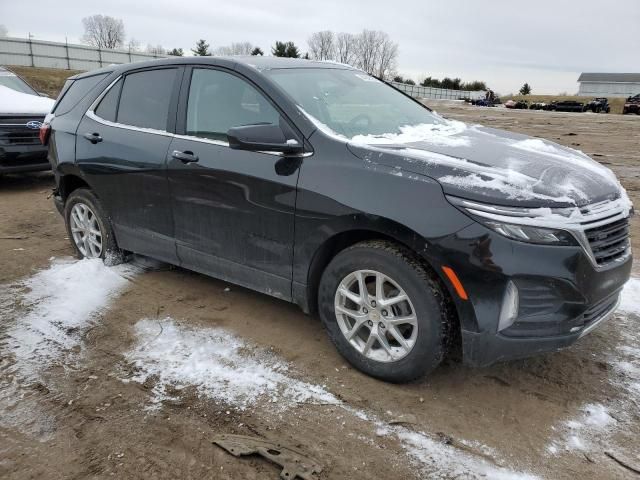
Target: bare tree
3, 31
240, 48
346, 48
322, 45
103, 31
387, 56
133, 45
156, 49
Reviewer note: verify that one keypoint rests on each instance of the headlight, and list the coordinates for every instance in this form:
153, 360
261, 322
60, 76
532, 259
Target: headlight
529, 234
530, 225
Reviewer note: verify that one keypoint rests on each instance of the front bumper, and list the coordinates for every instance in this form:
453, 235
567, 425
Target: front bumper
562, 296
23, 158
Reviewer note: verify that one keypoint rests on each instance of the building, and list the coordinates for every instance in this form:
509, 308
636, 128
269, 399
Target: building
609, 84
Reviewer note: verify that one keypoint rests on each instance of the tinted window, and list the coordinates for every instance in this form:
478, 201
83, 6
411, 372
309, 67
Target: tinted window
10, 80
76, 91
108, 106
145, 98
219, 101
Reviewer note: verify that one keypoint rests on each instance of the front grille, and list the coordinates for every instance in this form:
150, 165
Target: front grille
609, 242
14, 131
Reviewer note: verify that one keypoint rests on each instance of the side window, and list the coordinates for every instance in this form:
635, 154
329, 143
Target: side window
108, 106
145, 98
76, 91
220, 100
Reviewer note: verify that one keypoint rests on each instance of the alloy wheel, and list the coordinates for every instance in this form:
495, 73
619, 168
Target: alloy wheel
86, 231
376, 316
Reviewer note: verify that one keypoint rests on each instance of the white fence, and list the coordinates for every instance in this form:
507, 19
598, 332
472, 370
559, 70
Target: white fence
418, 91
40, 53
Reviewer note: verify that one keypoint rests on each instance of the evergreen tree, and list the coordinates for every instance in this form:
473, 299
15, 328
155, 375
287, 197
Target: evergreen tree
176, 52
257, 51
526, 89
202, 49
285, 49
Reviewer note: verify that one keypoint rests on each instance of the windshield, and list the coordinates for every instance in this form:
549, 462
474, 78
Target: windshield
350, 102
12, 81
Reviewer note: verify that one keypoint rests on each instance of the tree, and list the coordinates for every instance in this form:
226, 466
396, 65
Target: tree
285, 49
176, 52
202, 49
103, 31
408, 81
525, 90
257, 51
3, 31
322, 45
133, 45
243, 48
346, 45
156, 50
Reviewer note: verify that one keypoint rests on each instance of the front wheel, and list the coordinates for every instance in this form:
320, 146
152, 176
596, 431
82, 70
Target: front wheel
89, 228
384, 312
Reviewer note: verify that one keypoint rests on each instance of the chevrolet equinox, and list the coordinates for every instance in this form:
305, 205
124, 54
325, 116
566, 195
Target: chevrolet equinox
409, 234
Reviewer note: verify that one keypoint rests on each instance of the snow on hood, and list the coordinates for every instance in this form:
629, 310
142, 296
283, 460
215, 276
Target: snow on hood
486, 164
14, 102
446, 132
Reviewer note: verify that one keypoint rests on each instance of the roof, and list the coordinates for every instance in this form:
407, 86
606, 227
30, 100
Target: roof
256, 61
610, 77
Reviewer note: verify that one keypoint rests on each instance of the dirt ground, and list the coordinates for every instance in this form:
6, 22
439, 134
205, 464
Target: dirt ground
90, 413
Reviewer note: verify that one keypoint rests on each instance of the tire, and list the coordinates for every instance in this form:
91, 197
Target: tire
82, 199
426, 303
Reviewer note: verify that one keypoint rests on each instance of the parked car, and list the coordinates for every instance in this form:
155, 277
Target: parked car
632, 105
566, 106
22, 111
537, 106
316, 183
598, 105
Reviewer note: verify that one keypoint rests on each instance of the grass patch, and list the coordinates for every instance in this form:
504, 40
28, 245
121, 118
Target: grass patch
45, 80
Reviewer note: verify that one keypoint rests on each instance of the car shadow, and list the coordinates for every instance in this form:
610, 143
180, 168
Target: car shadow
18, 182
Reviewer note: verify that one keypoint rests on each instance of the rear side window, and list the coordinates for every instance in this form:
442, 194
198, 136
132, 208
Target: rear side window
75, 92
145, 98
108, 107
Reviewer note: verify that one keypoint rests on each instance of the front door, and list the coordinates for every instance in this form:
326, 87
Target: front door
233, 210
121, 148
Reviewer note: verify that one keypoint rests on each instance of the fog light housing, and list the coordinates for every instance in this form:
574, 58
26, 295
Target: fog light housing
509, 308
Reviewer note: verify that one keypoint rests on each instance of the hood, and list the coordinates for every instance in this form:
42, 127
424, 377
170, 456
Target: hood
493, 166
13, 102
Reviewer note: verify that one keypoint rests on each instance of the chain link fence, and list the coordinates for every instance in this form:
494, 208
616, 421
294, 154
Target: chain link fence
41, 53
418, 91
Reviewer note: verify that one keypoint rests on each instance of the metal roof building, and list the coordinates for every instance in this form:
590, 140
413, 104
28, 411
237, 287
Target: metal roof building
609, 84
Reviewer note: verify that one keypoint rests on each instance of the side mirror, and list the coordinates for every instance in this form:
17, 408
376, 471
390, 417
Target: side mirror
263, 137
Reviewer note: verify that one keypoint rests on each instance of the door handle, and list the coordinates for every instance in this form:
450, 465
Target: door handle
93, 137
185, 157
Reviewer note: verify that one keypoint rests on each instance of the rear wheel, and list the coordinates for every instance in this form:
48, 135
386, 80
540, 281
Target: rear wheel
89, 228
383, 311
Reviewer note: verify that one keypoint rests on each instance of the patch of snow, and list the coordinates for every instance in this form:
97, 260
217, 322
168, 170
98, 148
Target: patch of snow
445, 132
14, 102
579, 433
220, 365
60, 302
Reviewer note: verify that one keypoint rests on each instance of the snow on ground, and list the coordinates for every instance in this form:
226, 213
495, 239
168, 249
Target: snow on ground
53, 307
221, 366
225, 368
593, 425
12, 101
42, 319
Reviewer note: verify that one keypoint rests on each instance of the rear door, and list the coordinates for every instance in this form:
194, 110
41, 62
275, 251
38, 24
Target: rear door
233, 210
121, 148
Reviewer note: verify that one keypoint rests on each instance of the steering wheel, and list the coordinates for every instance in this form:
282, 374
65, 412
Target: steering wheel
356, 122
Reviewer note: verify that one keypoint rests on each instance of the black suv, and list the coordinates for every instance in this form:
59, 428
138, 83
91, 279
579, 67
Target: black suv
316, 183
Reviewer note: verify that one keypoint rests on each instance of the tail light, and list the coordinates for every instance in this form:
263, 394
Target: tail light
45, 132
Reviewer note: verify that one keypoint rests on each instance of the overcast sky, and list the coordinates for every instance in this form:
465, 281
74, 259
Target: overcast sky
503, 42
